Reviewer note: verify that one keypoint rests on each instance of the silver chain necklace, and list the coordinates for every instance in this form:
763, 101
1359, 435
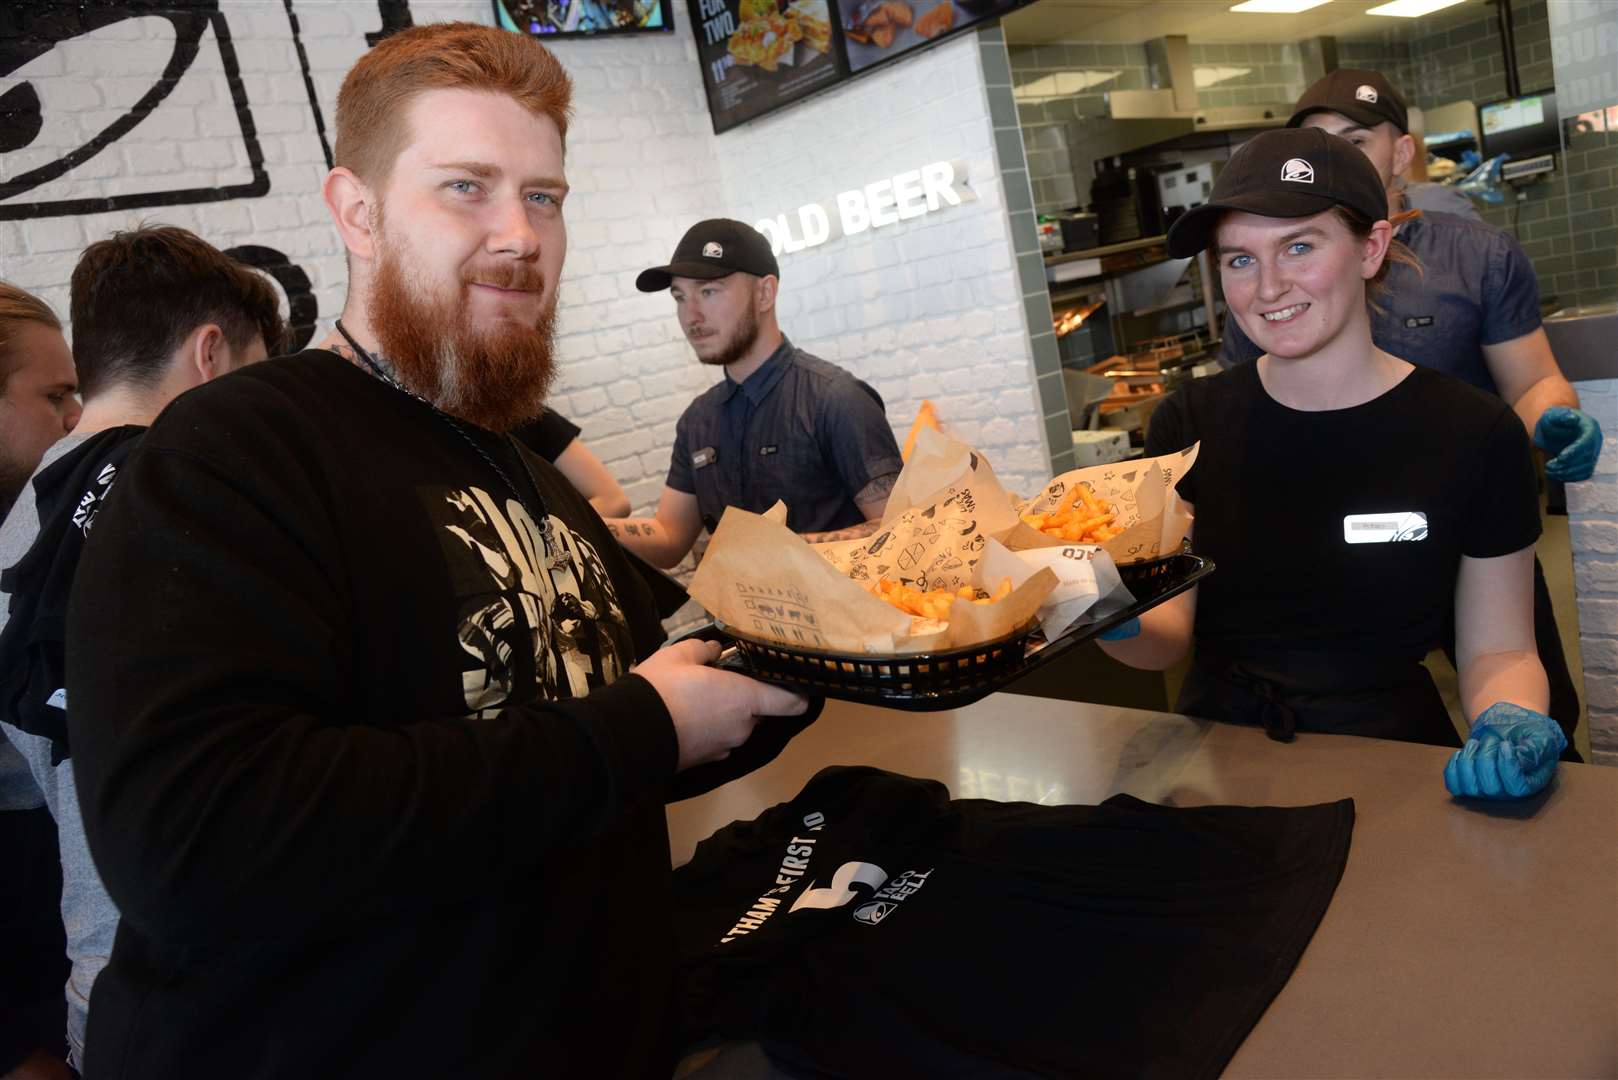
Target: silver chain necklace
555, 558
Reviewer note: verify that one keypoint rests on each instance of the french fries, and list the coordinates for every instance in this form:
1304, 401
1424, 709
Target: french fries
1079, 517
936, 603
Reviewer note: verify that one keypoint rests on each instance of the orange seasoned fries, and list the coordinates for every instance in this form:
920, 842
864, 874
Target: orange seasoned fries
935, 604
1079, 517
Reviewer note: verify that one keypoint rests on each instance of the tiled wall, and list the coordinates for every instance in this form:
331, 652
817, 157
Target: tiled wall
1062, 81
1568, 224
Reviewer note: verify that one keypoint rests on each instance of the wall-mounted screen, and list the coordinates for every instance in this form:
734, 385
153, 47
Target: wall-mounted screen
1521, 126
758, 55
880, 30
584, 18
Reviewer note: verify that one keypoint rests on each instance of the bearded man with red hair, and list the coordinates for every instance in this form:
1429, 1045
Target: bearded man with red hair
372, 732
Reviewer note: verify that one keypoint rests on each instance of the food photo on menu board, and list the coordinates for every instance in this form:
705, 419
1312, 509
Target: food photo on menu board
561, 18
759, 54
878, 30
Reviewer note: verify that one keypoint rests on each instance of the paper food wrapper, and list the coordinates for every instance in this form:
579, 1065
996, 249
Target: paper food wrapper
1085, 577
761, 579
1154, 517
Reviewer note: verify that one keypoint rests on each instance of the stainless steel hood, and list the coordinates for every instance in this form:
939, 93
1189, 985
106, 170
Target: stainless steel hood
1159, 105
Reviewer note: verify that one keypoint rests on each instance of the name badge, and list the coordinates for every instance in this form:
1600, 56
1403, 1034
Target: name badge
1414, 322
1384, 528
703, 457
766, 451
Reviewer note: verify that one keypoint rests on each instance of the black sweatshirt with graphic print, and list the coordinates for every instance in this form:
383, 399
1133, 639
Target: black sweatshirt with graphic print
358, 756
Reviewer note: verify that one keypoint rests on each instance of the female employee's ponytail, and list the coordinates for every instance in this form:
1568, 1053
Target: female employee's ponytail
1360, 226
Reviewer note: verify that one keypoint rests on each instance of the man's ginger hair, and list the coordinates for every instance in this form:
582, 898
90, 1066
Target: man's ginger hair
374, 102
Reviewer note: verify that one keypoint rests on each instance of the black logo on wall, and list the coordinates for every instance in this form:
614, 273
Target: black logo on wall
301, 305
32, 31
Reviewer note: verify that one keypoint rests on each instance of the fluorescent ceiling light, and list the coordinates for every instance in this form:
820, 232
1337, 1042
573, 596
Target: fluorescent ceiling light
1207, 76
1412, 9
1276, 7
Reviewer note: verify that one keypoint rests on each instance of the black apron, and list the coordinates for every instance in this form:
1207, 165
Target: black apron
1337, 693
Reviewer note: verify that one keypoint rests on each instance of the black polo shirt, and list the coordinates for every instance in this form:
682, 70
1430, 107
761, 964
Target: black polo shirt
798, 429
1475, 288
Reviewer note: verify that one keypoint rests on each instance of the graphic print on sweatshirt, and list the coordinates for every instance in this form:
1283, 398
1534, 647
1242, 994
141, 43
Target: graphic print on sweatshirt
528, 614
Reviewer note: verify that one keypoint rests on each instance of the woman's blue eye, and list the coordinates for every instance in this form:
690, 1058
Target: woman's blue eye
1237, 262
465, 187
1299, 248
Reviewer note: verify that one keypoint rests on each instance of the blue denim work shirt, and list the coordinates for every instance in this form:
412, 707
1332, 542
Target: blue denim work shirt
798, 429
1475, 288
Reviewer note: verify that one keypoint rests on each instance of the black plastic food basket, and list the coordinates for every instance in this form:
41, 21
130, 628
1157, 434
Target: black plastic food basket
926, 682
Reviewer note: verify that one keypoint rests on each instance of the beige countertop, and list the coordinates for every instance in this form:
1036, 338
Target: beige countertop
1466, 940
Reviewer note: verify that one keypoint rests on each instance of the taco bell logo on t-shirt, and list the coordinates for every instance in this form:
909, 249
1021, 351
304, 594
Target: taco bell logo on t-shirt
1366, 94
711, 250
1298, 171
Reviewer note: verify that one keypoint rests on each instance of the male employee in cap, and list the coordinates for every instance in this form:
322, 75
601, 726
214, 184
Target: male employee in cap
780, 425
1472, 310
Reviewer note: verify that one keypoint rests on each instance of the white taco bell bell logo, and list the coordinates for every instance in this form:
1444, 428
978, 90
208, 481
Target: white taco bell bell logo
712, 250
1366, 94
1298, 171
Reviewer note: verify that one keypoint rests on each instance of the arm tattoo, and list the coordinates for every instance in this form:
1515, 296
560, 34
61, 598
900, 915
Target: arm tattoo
853, 532
879, 488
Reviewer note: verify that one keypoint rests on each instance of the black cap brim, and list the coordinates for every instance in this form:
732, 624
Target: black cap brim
659, 278
1368, 117
1193, 230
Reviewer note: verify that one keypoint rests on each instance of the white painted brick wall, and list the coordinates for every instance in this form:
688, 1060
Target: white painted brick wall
1593, 529
924, 309
927, 308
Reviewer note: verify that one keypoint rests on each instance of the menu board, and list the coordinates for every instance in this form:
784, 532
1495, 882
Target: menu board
878, 30
758, 55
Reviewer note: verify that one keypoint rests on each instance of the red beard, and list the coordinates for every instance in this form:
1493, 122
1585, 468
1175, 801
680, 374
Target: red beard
495, 378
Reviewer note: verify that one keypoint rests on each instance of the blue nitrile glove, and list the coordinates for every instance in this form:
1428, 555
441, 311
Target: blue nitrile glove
1511, 754
1573, 439
1122, 632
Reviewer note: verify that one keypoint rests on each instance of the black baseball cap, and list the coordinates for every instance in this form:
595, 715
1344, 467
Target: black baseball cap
1284, 173
1365, 97
713, 249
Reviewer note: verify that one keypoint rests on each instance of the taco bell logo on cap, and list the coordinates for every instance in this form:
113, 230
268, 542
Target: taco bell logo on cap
1298, 171
1366, 94
711, 250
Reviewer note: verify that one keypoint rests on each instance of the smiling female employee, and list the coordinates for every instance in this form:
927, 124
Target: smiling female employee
1349, 499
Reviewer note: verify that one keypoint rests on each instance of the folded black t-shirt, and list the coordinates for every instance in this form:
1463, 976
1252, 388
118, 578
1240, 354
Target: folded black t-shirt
874, 927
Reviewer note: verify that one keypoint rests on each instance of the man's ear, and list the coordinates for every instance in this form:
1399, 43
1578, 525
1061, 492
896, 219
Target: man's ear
1404, 152
207, 353
764, 294
350, 203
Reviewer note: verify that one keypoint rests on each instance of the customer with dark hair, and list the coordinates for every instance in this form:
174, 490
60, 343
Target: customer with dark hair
1353, 502
155, 312
1471, 311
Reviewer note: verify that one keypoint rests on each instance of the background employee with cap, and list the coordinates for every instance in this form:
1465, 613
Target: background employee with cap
1352, 501
781, 424
1471, 310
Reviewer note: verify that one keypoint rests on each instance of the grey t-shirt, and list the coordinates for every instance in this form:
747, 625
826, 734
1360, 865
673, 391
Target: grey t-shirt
88, 913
